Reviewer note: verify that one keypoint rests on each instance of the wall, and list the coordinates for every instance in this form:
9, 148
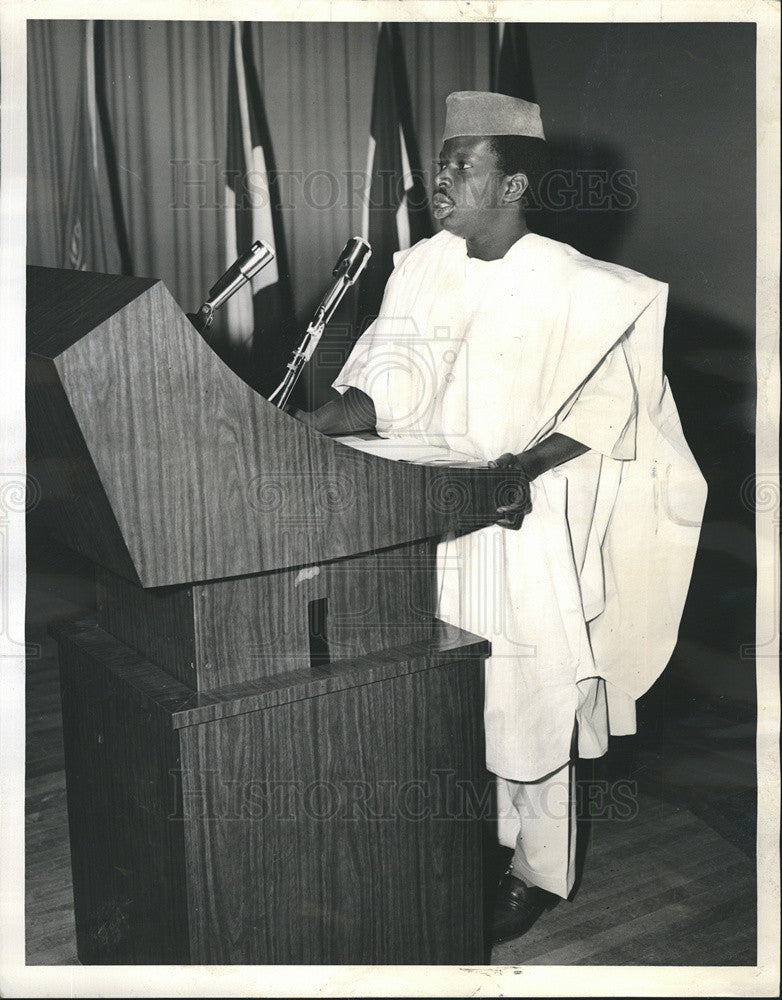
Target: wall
676, 103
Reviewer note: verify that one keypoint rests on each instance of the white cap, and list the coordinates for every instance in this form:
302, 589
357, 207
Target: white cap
477, 112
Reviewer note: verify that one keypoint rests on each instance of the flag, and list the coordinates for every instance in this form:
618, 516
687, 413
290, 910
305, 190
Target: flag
511, 69
259, 318
396, 210
95, 234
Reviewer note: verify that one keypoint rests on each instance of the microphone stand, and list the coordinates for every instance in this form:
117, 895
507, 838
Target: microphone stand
301, 356
317, 325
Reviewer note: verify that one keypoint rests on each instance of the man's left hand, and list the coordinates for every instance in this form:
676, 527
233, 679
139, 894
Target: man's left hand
511, 515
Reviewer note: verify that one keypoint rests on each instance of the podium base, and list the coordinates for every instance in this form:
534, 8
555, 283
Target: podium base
324, 816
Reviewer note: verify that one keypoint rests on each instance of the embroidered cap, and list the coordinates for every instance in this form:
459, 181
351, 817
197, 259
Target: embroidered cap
476, 112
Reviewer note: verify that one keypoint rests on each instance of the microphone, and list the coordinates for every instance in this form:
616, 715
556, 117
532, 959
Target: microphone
351, 263
353, 259
238, 274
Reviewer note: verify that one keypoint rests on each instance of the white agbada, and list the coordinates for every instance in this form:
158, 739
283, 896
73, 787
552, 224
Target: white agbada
582, 604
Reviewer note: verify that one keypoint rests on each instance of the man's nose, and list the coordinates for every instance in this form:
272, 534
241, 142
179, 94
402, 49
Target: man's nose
442, 178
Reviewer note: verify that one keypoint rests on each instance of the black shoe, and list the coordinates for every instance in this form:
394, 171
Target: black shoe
516, 907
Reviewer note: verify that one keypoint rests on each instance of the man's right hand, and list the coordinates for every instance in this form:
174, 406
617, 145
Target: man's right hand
349, 413
305, 416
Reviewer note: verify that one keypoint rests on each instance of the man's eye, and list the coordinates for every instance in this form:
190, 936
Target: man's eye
462, 165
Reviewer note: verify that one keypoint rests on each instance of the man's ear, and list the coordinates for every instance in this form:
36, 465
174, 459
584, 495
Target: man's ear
515, 186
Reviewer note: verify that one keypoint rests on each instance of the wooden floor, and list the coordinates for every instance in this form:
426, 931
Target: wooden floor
672, 885
662, 889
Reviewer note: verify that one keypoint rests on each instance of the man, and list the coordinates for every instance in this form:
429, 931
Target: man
517, 350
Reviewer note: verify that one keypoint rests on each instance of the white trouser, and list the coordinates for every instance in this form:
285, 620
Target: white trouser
538, 820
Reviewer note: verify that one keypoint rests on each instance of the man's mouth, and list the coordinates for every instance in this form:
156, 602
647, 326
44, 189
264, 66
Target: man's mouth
441, 205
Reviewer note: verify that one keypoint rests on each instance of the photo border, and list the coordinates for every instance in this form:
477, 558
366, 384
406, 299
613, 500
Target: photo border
17, 979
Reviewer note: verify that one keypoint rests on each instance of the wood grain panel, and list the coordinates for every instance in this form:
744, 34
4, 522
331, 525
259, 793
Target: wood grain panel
64, 305
387, 880
73, 505
158, 622
257, 626
127, 854
387, 598
207, 480
231, 631
347, 807
186, 707
252, 626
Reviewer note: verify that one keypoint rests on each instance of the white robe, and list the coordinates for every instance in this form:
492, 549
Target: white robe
583, 604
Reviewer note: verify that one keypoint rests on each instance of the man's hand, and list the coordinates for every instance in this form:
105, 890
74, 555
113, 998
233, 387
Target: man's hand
305, 416
513, 513
547, 454
349, 413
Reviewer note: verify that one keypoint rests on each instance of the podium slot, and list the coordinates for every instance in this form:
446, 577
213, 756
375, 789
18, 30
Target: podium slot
317, 617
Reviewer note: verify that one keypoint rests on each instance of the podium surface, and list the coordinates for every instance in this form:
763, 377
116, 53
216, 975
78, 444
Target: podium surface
274, 750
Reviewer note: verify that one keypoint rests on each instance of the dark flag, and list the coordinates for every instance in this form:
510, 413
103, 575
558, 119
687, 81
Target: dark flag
259, 318
511, 69
95, 234
396, 211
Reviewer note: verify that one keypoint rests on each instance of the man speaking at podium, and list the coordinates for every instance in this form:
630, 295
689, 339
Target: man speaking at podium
549, 362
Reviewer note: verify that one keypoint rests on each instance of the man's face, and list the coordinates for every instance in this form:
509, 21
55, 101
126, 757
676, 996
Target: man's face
468, 186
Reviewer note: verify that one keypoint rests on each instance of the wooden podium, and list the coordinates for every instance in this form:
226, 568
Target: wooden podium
274, 750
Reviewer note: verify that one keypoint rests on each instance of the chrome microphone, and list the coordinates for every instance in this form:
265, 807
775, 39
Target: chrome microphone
238, 274
351, 263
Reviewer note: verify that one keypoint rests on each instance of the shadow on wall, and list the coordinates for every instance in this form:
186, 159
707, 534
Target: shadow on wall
710, 364
586, 198
711, 367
